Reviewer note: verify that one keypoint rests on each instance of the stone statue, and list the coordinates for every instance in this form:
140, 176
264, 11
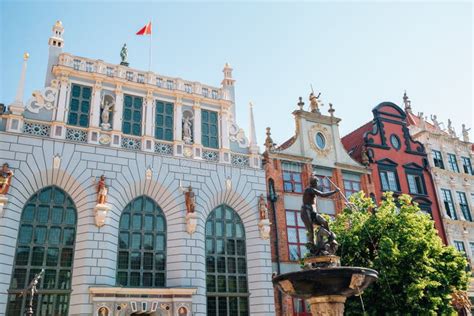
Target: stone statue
124, 54
32, 290
315, 103
465, 133
434, 118
451, 130
365, 156
102, 190
422, 120
187, 130
5, 179
106, 107
326, 243
190, 198
262, 207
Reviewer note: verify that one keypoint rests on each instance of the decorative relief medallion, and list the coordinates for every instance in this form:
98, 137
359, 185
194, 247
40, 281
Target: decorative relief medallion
104, 139
319, 139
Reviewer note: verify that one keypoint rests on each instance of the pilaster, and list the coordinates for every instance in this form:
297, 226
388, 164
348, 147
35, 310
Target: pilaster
148, 121
117, 117
197, 147
178, 127
94, 119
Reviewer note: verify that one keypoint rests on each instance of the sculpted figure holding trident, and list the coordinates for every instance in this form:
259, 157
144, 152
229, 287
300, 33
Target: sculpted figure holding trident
325, 243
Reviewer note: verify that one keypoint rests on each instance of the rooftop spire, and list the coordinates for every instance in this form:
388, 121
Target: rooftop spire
252, 133
17, 105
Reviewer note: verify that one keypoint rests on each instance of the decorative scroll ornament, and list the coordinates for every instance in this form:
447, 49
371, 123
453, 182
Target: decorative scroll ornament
237, 134
43, 100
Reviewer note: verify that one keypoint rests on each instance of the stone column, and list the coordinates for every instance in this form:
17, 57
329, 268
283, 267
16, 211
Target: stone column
94, 118
224, 118
58, 127
331, 305
118, 111
178, 127
148, 123
197, 130
63, 90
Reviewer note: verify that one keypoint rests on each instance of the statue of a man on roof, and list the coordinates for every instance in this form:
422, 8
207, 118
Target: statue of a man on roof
124, 53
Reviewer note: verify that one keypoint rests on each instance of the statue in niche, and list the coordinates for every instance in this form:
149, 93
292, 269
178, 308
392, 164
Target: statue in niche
187, 129
465, 133
451, 131
124, 55
106, 107
6, 176
325, 243
315, 103
190, 198
434, 118
102, 190
262, 207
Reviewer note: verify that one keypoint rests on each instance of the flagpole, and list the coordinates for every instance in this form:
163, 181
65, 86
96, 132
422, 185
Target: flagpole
151, 35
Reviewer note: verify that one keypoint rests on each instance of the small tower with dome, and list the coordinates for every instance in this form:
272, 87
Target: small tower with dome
56, 44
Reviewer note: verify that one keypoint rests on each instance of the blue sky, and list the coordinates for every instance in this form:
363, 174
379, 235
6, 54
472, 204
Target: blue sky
357, 54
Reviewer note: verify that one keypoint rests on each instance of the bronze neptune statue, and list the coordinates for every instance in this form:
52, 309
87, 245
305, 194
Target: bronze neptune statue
326, 243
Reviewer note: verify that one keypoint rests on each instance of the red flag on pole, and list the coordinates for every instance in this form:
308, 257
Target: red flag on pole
146, 30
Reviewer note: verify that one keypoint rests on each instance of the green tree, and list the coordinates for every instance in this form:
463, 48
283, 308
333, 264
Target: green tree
417, 273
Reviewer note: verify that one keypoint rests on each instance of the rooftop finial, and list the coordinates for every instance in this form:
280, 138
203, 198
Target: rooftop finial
268, 140
331, 110
407, 102
301, 103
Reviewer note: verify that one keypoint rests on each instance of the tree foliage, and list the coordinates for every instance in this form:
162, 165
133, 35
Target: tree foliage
417, 273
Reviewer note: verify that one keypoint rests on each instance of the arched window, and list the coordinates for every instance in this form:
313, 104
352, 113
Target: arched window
226, 264
142, 243
45, 241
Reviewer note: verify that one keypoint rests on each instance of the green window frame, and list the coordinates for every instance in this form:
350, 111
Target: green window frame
226, 264
209, 129
141, 255
453, 163
464, 206
46, 239
164, 115
79, 105
448, 203
132, 115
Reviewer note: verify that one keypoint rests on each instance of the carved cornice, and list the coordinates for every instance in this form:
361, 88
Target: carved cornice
352, 168
282, 156
316, 117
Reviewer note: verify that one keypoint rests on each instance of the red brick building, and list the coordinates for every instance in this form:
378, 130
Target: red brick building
315, 148
397, 162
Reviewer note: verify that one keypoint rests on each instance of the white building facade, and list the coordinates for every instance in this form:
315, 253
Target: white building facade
142, 251
450, 159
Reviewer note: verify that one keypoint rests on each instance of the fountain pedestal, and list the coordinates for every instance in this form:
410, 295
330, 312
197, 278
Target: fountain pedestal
330, 305
325, 285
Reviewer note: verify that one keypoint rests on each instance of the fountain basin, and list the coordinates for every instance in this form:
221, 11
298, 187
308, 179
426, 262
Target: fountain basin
338, 281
